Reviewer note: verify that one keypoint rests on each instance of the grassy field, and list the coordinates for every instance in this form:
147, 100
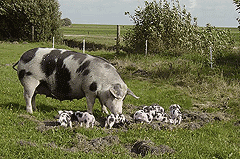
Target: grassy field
99, 34
209, 98
106, 34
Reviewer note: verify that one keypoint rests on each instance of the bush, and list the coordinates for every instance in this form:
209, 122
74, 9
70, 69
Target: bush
168, 28
66, 22
237, 3
18, 17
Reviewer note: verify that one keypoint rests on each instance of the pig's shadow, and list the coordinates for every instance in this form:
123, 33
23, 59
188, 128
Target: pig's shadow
16, 107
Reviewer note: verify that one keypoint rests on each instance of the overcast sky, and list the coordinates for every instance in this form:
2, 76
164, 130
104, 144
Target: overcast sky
216, 12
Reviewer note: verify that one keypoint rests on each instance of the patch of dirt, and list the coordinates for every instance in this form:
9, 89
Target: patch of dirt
191, 120
237, 123
24, 143
145, 147
99, 144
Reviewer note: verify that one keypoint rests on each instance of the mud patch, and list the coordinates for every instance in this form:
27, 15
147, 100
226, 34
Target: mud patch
192, 120
81, 143
99, 144
237, 123
27, 143
145, 147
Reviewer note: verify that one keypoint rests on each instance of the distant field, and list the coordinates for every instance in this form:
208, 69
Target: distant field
236, 35
106, 34
94, 29
99, 34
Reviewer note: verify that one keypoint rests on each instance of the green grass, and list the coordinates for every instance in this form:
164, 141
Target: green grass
99, 34
106, 34
184, 80
93, 29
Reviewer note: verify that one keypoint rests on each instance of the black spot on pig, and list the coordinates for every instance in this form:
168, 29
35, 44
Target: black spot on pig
44, 88
93, 87
78, 56
21, 74
111, 119
29, 73
86, 72
63, 76
29, 55
48, 64
83, 66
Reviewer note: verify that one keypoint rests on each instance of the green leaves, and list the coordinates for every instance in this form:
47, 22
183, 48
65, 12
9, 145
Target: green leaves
18, 18
167, 26
237, 3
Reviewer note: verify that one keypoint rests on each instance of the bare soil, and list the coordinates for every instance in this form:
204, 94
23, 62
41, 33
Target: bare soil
191, 120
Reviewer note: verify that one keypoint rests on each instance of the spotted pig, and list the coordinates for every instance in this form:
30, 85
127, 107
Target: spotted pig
67, 75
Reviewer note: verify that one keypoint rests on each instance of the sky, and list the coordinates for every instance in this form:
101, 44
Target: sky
219, 13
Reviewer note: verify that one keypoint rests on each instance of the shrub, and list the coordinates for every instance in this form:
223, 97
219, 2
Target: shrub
18, 17
237, 3
168, 28
66, 22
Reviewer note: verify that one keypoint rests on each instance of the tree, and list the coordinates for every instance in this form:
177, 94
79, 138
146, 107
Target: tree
18, 17
164, 25
237, 3
66, 22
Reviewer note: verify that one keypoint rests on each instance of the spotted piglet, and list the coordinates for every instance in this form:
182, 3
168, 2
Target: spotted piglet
112, 120
158, 108
65, 118
149, 110
161, 117
86, 118
175, 113
141, 116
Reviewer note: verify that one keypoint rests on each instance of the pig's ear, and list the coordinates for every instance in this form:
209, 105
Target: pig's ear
117, 91
179, 107
70, 112
60, 112
132, 94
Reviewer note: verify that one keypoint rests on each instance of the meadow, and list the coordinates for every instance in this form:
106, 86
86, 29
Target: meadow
99, 34
209, 99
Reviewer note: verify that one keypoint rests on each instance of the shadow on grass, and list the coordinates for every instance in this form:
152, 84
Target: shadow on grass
12, 106
230, 65
16, 107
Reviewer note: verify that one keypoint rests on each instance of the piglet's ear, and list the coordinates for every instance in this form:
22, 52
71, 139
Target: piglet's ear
70, 112
179, 107
117, 91
60, 112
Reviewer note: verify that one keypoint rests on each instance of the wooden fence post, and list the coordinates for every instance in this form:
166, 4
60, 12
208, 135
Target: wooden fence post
84, 46
146, 48
53, 42
211, 63
118, 39
32, 33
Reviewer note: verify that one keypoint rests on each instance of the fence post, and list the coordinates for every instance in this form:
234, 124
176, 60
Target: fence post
53, 42
84, 46
146, 48
211, 56
118, 39
32, 33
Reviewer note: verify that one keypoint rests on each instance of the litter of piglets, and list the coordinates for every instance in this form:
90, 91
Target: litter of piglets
147, 114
